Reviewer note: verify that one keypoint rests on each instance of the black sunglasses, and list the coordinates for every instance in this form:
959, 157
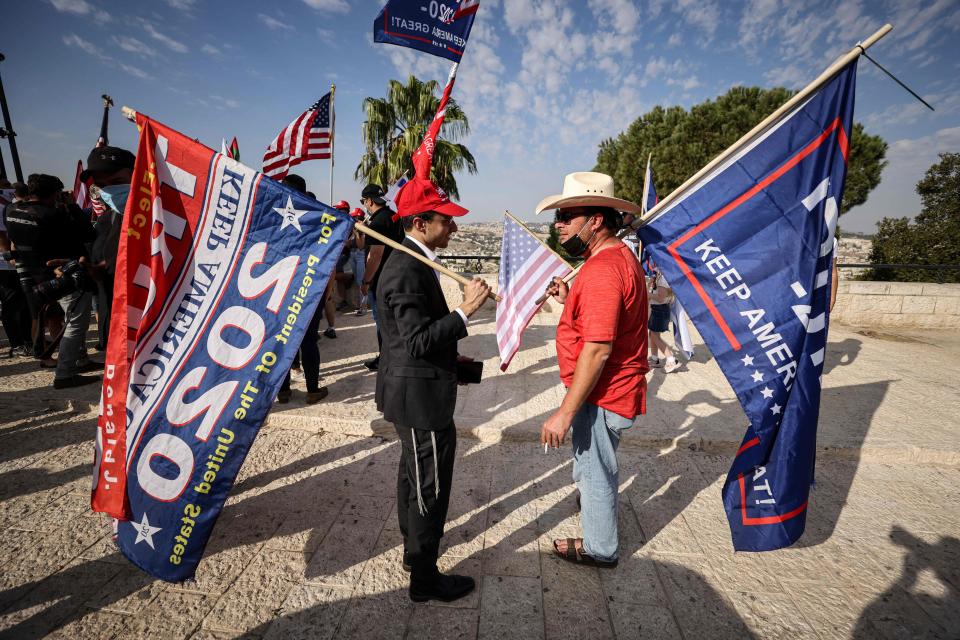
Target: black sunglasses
565, 217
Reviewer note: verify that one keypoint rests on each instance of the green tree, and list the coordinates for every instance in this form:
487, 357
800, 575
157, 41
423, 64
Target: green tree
932, 238
395, 127
682, 142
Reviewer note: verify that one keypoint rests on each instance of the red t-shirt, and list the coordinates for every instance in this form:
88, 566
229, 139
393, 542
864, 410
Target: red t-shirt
608, 302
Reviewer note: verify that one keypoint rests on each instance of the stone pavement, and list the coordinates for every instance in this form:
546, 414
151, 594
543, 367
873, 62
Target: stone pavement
308, 546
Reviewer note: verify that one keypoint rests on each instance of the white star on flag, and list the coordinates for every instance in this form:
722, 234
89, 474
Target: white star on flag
747, 360
145, 531
767, 392
775, 409
290, 216
757, 376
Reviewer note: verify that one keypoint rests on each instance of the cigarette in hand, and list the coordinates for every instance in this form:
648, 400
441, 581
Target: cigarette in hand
544, 447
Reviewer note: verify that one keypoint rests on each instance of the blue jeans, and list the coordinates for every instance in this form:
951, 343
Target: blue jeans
372, 301
73, 348
596, 435
357, 261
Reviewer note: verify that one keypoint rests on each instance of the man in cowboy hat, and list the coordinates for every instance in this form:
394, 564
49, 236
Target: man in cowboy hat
417, 382
602, 353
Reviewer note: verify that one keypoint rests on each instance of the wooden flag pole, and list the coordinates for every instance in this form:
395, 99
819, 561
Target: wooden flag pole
130, 114
805, 93
433, 265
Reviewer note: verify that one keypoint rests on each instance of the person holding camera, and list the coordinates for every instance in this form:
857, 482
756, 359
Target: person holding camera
48, 233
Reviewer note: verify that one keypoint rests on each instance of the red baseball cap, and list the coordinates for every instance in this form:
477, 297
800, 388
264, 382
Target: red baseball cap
357, 213
343, 205
420, 195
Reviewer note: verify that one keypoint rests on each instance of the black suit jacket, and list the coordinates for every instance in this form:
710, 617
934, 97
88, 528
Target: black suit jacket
417, 376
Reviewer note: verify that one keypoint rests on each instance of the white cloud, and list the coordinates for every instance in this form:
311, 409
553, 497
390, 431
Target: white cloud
334, 6
183, 5
81, 8
790, 76
73, 40
326, 34
224, 102
274, 24
703, 14
132, 45
209, 49
167, 41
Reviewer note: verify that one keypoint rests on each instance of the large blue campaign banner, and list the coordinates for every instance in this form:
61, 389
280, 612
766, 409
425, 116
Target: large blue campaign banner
220, 270
439, 27
748, 250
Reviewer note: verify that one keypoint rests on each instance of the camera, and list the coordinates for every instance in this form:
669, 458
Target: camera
73, 277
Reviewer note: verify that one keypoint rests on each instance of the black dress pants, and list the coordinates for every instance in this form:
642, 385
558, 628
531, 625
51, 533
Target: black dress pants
423, 495
14, 312
310, 354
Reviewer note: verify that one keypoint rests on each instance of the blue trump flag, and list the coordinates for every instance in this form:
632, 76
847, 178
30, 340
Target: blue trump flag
219, 271
437, 27
748, 251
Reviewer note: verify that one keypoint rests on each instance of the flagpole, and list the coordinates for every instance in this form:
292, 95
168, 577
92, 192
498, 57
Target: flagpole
807, 91
646, 187
131, 114
535, 236
333, 137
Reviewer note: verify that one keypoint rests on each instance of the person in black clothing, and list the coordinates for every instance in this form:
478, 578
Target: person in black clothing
309, 351
111, 169
417, 383
14, 312
384, 221
48, 229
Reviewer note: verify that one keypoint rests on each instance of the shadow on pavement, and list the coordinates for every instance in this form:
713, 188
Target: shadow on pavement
925, 601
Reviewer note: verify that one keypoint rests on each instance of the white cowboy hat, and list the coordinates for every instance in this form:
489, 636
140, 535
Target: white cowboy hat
587, 188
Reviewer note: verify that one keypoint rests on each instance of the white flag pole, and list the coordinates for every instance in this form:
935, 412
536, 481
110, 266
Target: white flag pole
646, 187
333, 137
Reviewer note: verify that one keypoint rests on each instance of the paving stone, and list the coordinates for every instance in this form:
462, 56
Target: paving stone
512, 607
256, 596
309, 612
173, 614
382, 616
339, 559
427, 623
103, 625
697, 599
573, 602
633, 621
770, 615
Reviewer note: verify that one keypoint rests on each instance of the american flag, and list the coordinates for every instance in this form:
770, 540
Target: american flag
526, 267
308, 137
81, 190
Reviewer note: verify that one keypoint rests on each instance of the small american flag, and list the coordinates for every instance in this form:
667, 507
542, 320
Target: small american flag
81, 191
308, 137
526, 267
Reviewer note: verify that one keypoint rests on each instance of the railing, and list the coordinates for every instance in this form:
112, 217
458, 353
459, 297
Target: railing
938, 269
475, 264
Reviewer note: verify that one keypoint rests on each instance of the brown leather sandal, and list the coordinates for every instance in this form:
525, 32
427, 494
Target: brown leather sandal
575, 554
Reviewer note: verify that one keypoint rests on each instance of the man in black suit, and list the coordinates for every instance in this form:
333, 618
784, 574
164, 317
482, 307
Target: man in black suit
417, 382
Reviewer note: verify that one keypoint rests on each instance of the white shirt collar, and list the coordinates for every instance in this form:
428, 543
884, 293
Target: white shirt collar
431, 256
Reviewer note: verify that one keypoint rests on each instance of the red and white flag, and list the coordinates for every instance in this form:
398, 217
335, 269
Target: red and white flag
81, 190
526, 267
308, 137
423, 157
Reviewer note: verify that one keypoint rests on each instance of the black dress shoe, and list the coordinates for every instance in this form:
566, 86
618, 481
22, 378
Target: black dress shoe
443, 588
74, 381
89, 366
373, 365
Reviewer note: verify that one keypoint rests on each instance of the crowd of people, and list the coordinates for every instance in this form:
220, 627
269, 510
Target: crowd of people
58, 266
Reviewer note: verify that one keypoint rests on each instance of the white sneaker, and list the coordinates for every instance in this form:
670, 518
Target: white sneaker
671, 365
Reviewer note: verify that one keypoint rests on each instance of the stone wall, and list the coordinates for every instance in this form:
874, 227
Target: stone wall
919, 305
909, 305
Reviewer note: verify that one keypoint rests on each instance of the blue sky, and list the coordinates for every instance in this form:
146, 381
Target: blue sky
543, 81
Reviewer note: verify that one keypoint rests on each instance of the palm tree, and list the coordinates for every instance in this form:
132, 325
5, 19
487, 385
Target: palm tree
395, 127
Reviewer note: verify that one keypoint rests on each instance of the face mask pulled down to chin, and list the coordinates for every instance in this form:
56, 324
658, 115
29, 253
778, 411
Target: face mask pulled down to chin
576, 246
